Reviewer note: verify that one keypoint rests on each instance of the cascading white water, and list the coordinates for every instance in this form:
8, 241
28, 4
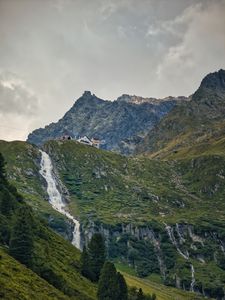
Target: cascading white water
181, 238
172, 238
55, 198
174, 242
192, 279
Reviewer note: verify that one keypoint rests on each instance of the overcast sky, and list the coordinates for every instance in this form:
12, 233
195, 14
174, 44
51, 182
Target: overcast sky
53, 50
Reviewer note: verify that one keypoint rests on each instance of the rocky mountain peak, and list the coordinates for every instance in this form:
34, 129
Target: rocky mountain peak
116, 123
135, 99
212, 85
214, 80
124, 97
87, 99
140, 100
86, 94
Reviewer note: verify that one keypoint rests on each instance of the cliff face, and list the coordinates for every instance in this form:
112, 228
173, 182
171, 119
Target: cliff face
180, 253
120, 124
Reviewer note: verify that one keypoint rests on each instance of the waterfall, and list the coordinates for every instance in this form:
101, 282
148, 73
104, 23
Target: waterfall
172, 238
222, 246
181, 238
156, 245
55, 198
192, 279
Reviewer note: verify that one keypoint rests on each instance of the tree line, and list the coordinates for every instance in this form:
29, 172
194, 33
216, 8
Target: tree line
20, 238
111, 284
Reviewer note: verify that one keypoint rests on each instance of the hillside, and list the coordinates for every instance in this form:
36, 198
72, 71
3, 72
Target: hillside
119, 124
53, 255
162, 292
154, 214
161, 212
18, 282
197, 123
52, 258
23, 165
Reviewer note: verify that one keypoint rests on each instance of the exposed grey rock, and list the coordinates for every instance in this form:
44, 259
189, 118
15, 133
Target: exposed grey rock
119, 124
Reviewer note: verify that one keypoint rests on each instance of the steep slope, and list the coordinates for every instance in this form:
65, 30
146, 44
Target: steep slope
162, 292
18, 282
120, 124
53, 258
198, 122
154, 215
23, 166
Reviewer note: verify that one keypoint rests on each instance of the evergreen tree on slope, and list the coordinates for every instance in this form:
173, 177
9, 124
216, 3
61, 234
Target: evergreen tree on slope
21, 241
97, 255
108, 286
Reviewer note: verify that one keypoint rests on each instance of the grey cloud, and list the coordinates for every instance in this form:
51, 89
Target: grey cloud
200, 51
62, 47
15, 98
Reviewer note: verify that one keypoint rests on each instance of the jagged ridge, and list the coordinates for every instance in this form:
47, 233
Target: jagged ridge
121, 124
197, 122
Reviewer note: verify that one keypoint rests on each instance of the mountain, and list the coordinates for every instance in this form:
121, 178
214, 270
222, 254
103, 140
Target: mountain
161, 212
156, 217
18, 282
197, 123
120, 124
56, 262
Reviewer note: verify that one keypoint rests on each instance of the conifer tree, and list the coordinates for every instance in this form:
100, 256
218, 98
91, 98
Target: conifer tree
85, 263
21, 240
108, 286
97, 256
8, 194
123, 292
2, 167
153, 296
6, 201
140, 295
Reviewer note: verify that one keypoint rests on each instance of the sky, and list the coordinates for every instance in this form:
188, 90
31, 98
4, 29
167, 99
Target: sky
53, 50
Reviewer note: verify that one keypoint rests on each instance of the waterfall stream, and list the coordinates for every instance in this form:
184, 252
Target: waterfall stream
192, 279
55, 198
172, 238
174, 242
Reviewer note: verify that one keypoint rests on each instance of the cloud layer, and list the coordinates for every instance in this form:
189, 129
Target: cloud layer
53, 50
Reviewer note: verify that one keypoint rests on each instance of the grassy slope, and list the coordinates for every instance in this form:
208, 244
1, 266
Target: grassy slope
114, 189
53, 256
64, 259
162, 292
139, 190
152, 284
23, 165
18, 282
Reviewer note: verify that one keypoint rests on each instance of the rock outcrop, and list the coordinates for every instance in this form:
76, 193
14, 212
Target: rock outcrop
120, 124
